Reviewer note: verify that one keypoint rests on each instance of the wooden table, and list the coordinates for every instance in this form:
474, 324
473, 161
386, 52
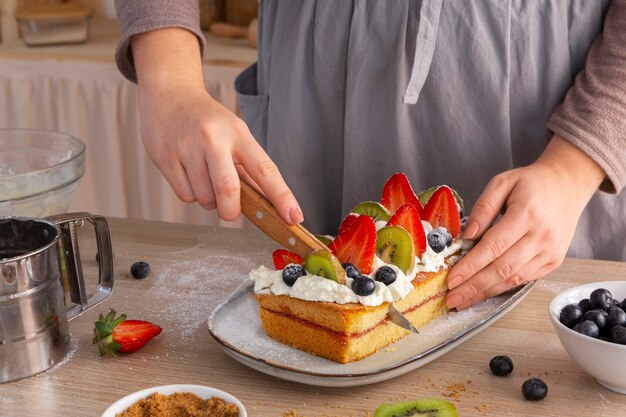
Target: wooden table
195, 267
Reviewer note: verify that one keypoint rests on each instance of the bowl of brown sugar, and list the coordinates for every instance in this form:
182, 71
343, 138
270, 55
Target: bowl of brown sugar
177, 401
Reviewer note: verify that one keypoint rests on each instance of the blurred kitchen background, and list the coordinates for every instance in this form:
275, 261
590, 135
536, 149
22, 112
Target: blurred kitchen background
57, 73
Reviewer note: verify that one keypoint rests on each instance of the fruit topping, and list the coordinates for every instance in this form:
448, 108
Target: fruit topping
408, 217
570, 315
601, 298
534, 389
424, 196
501, 365
386, 275
113, 334
363, 285
373, 209
325, 239
357, 245
436, 241
291, 273
140, 269
324, 264
283, 257
347, 222
397, 192
423, 407
351, 270
588, 328
394, 245
441, 210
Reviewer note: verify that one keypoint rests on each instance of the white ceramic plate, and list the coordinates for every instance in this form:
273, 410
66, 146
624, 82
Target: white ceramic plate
236, 327
201, 391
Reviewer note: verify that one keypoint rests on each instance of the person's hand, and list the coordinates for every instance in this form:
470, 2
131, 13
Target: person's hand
541, 204
200, 146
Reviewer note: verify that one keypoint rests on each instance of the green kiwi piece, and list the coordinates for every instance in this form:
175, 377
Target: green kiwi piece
394, 245
424, 407
424, 196
325, 239
373, 209
324, 264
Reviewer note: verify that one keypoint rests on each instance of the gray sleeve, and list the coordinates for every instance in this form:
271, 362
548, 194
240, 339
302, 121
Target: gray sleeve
593, 114
139, 16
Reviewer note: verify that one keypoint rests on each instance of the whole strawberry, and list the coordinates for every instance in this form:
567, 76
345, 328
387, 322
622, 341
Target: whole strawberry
114, 335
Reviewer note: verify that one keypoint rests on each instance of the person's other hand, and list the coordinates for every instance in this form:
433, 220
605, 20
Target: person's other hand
541, 204
200, 146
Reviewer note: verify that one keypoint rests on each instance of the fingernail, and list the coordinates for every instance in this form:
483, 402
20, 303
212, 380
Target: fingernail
454, 300
455, 281
296, 215
470, 230
463, 306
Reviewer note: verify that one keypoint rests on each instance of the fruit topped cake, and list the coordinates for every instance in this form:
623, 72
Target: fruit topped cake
334, 303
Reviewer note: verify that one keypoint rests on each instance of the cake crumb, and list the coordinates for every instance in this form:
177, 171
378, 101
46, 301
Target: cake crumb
482, 408
180, 404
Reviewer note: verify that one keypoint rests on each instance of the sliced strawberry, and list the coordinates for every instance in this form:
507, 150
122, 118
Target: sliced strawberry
113, 334
283, 257
441, 210
347, 222
408, 218
398, 192
357, 244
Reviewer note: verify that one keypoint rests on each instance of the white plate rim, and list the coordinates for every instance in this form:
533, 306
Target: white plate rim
293, 373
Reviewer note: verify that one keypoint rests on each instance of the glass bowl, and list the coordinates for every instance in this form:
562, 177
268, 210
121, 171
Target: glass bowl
39, 171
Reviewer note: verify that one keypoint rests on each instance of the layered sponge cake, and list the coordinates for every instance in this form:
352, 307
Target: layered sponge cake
334, 303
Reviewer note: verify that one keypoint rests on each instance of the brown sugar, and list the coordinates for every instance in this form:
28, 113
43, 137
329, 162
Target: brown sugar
180, 404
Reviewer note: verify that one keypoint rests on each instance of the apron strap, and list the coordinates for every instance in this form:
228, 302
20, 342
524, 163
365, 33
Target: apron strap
424, 49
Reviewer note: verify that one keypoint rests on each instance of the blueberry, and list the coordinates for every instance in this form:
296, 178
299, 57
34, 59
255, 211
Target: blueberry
501, 365
436, 241
570, 315
351, 270
601, 298
445, 234
616, 317
464, 221
596, 316
140, 269
534, 389
363, 285
617, 334
291, 273
588, 328
584, 305
386, 275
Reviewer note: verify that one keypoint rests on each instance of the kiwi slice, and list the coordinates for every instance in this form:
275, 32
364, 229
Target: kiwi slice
424, 407
325, 239
324, 264
394, 245
373, 209
424, 196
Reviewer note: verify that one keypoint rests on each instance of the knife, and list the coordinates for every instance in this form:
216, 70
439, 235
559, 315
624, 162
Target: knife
397, 318
257, 208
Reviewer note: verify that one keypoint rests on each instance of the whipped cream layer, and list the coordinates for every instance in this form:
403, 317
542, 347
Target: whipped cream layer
315, 288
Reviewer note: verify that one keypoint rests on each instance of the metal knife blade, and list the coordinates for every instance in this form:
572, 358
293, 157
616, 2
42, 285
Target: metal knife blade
399, 319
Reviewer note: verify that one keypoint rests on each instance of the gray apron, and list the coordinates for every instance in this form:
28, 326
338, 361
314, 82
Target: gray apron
345, 93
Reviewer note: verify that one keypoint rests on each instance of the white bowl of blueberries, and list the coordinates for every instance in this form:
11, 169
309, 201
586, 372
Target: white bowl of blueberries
590, 321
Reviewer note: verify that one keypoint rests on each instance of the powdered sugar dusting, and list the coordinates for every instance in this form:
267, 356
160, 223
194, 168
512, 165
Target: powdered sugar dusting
71, 352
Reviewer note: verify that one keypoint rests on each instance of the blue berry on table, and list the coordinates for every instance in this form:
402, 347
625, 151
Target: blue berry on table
291, 273
570, 315
534, 389
617, 334
615, 317
588, 328
596, 316
351, 270
601, 298
584, 305
501, 365
436, 241
386, 275
363, 285
140, 269
445, 233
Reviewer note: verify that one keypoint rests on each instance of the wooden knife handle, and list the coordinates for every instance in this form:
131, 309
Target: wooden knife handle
263, 214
